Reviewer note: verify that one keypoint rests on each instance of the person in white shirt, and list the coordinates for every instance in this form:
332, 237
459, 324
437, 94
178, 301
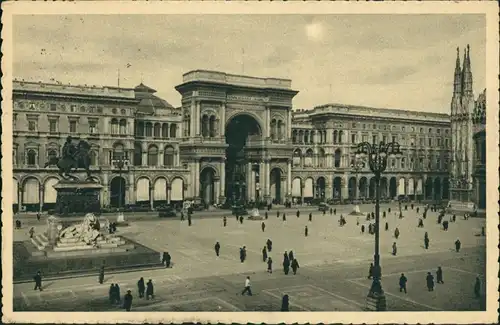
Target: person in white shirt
247, 287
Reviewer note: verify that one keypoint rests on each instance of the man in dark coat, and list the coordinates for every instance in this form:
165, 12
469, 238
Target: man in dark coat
149, 290
306, 231
277, 214
101, 274
264, 254
396, 233
263, 226
418, 209
445, 225
383, 214
38, 281
285, 303
370, 271
420, 223
270, 265
362, 229
266, 215
439, 275
217, 248
141, 287
386, 226
295, 266
430, 281
127, 301
286, 266
426, 241
168, 260
458, 244
38, 216
310, 216
224, 221
269, 244
284, 216
189, 220
477, 288
335, 211
117, 295
402, 283
241, 219
298, 213
111, 293
242, 258
244, 253
290, 255
331, 211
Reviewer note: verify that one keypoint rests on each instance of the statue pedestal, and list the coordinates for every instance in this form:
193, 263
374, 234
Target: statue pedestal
77, 197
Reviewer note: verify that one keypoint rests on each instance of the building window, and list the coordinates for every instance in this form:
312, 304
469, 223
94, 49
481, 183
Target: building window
149, 129
72, 126
52, 155
421, 162
384, 139
72, 108
173, 131
438, 131
430, 130
53, 107
92, 127
353, 138
157, 130
403, 163
32, 126
438, 164
364, 138
153, 156
168, 157
52, 126
123, 126
394, 138
374, 139
421, 142
93, 158
137, 154
430, 142
438, 142
123, 112
446, 143
114, 126
403, 128
421, 130
82, 109
31, 157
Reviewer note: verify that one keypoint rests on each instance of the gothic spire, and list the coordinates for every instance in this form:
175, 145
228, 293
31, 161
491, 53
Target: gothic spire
467, 75
457, 84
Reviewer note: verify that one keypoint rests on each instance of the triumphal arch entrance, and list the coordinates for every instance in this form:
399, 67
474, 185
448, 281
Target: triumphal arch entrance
237, 136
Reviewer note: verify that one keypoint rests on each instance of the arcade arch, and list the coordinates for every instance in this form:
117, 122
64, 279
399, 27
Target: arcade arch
117, 191
160, 193
207, 188
275, 179
177, 190
142, 191
320, 187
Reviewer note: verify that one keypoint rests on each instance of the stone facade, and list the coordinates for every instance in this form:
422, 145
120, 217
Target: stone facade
173, 154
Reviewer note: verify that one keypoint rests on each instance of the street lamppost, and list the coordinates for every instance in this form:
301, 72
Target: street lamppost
120, 162
377, 156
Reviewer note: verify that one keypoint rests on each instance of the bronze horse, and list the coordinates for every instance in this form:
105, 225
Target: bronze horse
79, 159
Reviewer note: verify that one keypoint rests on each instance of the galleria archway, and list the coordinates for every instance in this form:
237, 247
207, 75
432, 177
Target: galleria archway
240, 132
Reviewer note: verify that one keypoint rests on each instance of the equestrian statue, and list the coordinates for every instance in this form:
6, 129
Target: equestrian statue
73, 157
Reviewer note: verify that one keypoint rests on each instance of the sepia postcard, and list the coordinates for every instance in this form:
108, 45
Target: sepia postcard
248, 162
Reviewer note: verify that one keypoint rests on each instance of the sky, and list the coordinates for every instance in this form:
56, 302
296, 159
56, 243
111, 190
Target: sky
386, 61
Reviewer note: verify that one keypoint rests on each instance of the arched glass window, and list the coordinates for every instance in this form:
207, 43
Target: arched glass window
294, 136
157, 130
52, 154
211, 126
123, 126
153, 156
312, 137
149, 129
403, 163
309, 158
137, 154
204, 126
306, 137
173, 130
118, 152
168, 157
297, 157
322, 158
164, 130
139, 129
338, 156
114, 126
335, 136
31, 157
280, 130
341, 137
273, 129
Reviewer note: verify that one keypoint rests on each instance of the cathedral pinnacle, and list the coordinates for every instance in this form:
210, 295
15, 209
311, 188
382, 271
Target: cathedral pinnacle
457, 84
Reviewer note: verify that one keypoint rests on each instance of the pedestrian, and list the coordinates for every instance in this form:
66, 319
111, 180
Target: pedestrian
269, 244
277, 214
117, 295
168, 260
406, 207
362, 229
483, 231
286, 266
18, 224
182, 215
357, 221
394, 249
418, 209
241, 219
310, 217
32, 232
458, 244
237, 217
264, 254
266, 215
247, 287
370, 271
454, 218
324, 212
38, 216
149, 290
368, 216
189, 220
127, 300
284, 216
101, 274
477, 288
38, 281
420, 223
290, 255
141, 288
298, 213
111, 293
242, 258
396, 233
284, 303
335, 211
389, 210
412, 206
439, 275
217, 248
295, 266
263, 226
373, 215
430, 281
445, 225
331, 211
224, 221
383, 214
426, 241
402, 283
270, 265
386, 226
306, 231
